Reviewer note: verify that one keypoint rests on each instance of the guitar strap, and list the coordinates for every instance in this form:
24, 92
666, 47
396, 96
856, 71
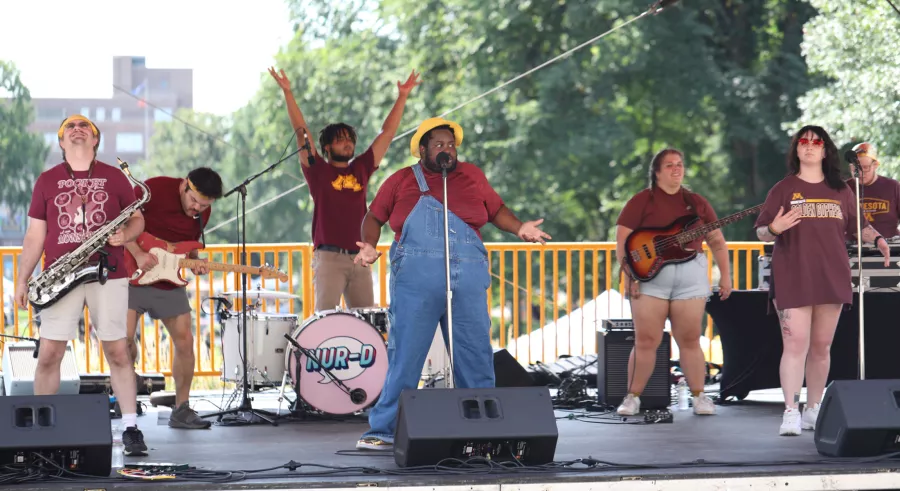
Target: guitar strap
199, 219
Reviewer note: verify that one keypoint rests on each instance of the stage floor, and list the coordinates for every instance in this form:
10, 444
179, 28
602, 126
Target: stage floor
693, 452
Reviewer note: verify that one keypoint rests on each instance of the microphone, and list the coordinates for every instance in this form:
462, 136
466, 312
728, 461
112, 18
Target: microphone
308, 148
443, 160
851, 157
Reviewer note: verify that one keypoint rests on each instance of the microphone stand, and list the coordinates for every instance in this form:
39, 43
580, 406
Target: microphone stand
859, 210
246, 410
449, 381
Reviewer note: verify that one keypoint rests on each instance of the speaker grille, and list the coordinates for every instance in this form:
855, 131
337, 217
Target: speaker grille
24, 365
613, 349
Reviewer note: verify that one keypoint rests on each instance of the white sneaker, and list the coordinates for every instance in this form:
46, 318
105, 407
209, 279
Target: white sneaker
630, 406
790, 423
810, 416
703, 405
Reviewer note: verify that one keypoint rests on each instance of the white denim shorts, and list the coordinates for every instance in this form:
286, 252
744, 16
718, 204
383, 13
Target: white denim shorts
682, 281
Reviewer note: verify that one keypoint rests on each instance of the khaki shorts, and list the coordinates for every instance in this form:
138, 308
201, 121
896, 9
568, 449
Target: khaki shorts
107, 304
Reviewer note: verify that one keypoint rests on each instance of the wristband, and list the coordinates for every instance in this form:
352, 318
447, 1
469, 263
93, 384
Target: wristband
769, 227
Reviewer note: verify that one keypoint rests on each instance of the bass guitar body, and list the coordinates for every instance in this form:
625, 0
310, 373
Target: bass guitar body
649, 250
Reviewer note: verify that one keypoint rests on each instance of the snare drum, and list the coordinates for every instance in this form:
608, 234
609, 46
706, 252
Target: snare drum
346, 348
378, 318
265, 346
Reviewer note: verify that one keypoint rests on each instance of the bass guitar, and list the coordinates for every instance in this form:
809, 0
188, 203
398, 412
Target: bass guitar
172, 257
649, 250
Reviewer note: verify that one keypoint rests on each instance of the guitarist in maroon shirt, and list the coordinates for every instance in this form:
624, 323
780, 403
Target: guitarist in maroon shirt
178, 210
679, 291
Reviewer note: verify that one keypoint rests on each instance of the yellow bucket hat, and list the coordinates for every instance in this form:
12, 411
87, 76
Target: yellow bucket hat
430, 124
866, 149
62, 126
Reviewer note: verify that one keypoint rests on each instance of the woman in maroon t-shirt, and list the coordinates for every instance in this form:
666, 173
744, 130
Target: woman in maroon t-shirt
810, 269
679, 291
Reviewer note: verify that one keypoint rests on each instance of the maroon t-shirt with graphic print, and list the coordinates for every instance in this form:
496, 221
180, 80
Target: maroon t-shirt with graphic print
472, 198
881, 204
656, 208
57, 201
339, 199
810, 265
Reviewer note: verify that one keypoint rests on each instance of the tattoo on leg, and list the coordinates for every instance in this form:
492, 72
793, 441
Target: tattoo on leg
783, 316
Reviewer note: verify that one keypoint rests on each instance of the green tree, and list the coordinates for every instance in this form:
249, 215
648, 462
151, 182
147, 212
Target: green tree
22, 153
853, 45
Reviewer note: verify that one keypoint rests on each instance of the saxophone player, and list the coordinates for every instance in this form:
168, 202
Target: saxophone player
70, 202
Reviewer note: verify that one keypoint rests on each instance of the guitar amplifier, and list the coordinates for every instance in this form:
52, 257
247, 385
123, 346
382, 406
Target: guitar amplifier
613, 349
20, 364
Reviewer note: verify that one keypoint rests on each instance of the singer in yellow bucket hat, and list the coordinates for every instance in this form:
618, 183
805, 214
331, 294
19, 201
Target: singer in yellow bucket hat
430, 124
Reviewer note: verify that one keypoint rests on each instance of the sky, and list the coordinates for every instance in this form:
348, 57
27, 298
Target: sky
65, 48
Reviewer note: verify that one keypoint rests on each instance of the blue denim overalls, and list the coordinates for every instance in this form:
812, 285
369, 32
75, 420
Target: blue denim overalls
419, 303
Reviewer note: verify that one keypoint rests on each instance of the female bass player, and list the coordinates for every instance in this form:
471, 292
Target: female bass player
807, 215
679, 291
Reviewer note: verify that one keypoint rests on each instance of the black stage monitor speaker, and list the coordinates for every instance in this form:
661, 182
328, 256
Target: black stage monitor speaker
613, 349
503, 424
508, 372
74, 431
859, 418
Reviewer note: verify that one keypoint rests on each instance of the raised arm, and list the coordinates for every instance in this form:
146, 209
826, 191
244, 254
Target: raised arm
297, 121
389, 128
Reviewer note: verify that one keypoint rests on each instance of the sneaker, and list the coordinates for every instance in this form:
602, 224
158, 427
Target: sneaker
373, 443
790, 423
186, 418
810, 415
703, 405
630, 406
133, 440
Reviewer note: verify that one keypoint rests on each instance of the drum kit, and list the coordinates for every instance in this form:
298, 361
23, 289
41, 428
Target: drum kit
336, 360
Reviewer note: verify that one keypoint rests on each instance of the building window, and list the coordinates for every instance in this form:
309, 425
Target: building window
86, 112
129, 142
164, 114
51, 114
101, 114
51, 139
100, 145
116, 114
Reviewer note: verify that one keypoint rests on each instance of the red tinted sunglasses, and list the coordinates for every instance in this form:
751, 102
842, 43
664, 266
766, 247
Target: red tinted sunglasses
807, 141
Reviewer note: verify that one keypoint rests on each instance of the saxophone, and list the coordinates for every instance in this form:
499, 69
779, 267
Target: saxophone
69, 270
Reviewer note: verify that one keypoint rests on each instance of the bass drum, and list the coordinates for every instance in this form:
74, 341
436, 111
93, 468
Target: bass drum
346, 348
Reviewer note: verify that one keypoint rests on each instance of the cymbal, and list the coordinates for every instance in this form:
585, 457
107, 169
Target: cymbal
262, 294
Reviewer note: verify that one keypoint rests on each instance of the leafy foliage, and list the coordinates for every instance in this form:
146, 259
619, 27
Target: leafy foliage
22, 153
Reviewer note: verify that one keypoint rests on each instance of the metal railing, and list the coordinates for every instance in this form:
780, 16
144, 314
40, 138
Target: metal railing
544, 300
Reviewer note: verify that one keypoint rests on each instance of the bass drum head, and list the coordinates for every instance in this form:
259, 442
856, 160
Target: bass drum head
347, 347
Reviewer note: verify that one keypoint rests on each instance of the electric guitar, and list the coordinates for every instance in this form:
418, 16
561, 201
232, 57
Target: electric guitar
172, 257
649, 250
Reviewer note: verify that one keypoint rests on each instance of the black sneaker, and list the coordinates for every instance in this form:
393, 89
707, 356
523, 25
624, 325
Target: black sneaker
133, 440
186, 418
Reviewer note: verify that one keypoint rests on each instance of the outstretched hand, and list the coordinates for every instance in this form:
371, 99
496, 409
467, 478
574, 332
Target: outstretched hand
407, 87
281, 78
529, 232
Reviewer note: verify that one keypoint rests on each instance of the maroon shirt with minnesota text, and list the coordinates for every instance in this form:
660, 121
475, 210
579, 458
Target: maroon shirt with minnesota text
810, 265
57, 201
339, 199
657, 208
881, 204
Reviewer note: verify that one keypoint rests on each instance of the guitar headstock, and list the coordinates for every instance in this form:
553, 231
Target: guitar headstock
270, 272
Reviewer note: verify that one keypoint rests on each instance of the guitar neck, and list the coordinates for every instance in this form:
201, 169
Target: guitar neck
193, 263
701, 231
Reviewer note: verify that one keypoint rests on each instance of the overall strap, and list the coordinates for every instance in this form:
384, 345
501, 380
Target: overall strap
420, 177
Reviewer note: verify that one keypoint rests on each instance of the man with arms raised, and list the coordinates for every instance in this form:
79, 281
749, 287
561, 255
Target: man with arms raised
178, 210
338, 190
70, 202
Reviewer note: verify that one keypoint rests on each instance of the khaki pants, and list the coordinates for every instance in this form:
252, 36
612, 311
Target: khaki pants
335, 274
108, 306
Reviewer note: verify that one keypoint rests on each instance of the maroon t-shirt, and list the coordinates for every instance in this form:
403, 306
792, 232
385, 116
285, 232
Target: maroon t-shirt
656, 208
164, 217
339, 199
810, 265
472, 198
881, 204
57, 201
